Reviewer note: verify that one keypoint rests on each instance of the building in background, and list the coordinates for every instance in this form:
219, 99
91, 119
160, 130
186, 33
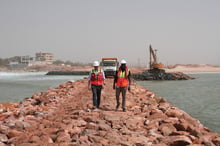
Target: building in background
47, 58
24, 61
20, 61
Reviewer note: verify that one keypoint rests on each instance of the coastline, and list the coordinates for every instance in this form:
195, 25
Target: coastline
197, 68
63, 115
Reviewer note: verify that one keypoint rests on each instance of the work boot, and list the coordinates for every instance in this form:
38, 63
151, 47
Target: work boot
117, 106
124, 109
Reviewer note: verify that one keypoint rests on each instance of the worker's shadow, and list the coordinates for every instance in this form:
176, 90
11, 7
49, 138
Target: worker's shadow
109, 108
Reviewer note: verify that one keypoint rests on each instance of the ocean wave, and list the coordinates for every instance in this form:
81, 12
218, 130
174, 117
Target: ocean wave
34, 76
21, 73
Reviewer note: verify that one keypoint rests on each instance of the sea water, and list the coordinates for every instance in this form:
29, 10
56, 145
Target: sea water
200, 97
17, 86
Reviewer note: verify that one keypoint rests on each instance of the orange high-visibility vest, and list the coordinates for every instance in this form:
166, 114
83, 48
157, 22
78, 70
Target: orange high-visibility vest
97, 77
122, 80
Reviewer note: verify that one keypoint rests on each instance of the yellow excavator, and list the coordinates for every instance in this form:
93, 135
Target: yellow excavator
155, 67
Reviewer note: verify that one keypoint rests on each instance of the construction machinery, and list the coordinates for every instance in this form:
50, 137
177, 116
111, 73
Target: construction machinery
155, 67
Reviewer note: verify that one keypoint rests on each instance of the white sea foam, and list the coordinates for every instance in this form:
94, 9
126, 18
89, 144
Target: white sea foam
34, 76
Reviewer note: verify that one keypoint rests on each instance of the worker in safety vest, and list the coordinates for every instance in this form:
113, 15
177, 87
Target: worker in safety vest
96, 83
121, 83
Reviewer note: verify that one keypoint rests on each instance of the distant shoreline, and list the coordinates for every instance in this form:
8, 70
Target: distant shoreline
191, 68
204, 69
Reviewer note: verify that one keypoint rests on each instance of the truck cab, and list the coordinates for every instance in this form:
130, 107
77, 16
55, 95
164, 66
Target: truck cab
109, 66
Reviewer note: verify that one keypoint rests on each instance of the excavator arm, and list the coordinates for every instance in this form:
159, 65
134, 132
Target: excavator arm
153, 59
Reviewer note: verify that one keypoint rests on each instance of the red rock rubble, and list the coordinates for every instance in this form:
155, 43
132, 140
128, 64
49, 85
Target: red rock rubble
62, 116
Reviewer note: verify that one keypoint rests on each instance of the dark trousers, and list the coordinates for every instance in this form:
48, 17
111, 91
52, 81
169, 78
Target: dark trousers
96, 95
123, 91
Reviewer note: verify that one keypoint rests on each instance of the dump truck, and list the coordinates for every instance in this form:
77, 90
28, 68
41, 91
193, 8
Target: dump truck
109, 66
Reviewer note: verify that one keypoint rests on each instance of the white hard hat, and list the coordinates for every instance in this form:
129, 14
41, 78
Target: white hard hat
123, 61
95, 63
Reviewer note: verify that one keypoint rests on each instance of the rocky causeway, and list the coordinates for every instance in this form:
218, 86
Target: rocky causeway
63, 116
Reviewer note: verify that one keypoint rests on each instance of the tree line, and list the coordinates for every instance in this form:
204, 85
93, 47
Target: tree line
4, 62
60, 62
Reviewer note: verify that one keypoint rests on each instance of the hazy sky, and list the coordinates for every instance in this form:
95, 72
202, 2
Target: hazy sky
183, 31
